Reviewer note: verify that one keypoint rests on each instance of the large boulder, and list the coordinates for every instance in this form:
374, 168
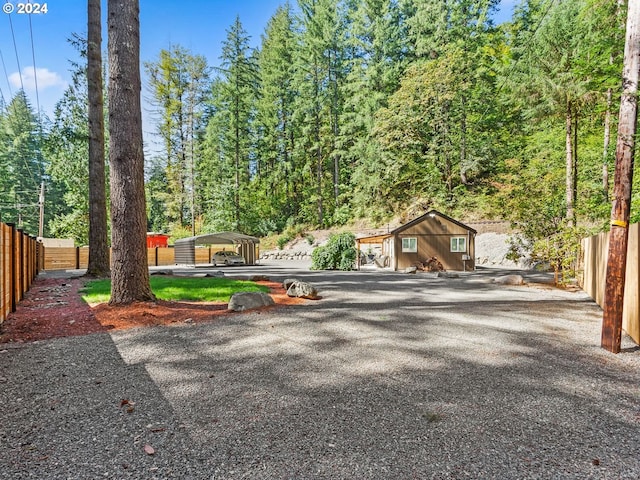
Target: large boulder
242, 301
302, 290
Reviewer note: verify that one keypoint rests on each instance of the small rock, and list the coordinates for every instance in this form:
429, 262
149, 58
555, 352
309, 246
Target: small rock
509, 280
288, 282
448, 275
412, 269
258, 278
161, 272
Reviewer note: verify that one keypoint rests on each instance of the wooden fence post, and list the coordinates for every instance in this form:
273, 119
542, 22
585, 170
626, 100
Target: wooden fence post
618, 239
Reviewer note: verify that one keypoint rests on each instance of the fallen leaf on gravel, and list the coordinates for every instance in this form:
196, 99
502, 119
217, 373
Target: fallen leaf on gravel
129, 404
148, 449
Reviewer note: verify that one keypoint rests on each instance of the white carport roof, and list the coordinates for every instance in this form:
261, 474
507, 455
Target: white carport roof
185, 247
219, 238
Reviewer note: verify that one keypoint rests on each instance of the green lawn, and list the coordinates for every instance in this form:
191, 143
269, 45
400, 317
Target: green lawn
207, 289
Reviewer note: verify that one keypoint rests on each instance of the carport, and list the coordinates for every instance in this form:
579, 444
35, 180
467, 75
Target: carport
185, 248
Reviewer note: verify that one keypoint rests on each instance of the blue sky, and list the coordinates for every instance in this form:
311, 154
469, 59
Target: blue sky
198, 25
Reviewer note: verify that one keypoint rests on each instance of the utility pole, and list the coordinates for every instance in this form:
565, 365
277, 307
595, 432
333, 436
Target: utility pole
619, 235
41, 205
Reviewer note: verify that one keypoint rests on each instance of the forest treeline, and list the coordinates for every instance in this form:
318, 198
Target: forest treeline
354, 109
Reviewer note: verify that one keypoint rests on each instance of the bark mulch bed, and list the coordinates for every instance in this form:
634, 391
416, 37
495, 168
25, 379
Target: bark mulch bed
53, 308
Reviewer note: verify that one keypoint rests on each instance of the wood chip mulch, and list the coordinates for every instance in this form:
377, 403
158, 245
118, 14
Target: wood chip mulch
53, 308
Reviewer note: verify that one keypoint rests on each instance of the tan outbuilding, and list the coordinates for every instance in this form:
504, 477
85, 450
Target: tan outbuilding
433, 234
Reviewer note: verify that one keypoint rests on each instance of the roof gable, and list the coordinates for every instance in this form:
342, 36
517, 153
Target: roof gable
219, 238
431, 214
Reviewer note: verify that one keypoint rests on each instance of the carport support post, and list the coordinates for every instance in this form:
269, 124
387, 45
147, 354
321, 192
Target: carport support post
619, 235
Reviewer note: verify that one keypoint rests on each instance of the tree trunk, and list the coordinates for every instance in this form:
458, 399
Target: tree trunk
619, 234
236, 135
463, 143
569, 191
98, 264
605, 149
319, 169
607, 119
130, 271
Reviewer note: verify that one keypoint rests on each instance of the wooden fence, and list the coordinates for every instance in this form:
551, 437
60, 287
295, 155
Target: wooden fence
61, 258
595, 251
21, 258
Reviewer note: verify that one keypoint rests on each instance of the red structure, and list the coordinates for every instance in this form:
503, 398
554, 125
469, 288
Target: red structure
157, 240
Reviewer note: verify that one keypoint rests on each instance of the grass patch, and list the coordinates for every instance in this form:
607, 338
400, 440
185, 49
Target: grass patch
207, 289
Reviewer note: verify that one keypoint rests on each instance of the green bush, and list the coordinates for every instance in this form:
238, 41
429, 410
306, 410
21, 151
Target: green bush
338, 254
282, 241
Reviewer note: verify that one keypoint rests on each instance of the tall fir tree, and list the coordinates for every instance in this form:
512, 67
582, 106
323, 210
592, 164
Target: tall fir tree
278, 178
320, 72
230, 147
377, 46
178, 82
21, 164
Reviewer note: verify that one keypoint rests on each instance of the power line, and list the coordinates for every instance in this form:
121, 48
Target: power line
35, 72
40, 172
6, 75
15, 48
35, 80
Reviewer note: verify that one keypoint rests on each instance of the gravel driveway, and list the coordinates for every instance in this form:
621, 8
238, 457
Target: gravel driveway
388, 376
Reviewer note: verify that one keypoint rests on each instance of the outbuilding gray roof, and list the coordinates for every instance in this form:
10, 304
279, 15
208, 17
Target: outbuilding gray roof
185, 247
218, 238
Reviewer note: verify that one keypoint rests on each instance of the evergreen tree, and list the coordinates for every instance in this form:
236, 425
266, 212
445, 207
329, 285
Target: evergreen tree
216, 166
278, 177
98, 263
561, 75
67, 151
21, 165
178, 81
320, 71
129, 263
229, 138
377, 44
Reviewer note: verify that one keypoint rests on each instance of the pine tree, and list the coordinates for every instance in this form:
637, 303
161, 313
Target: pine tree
129, 266
377, 44
21, 165
320, 71
278, 177
228, 142
178, 82
98, 263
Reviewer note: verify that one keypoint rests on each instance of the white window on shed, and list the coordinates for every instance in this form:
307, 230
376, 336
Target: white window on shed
458, 244
410, 244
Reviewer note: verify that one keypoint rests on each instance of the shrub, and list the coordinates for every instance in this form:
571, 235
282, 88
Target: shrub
338, 254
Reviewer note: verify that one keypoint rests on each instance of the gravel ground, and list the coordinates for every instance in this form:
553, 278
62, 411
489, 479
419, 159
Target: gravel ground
388, 376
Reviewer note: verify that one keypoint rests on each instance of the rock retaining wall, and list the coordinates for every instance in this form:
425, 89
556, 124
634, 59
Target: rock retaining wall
286, 255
